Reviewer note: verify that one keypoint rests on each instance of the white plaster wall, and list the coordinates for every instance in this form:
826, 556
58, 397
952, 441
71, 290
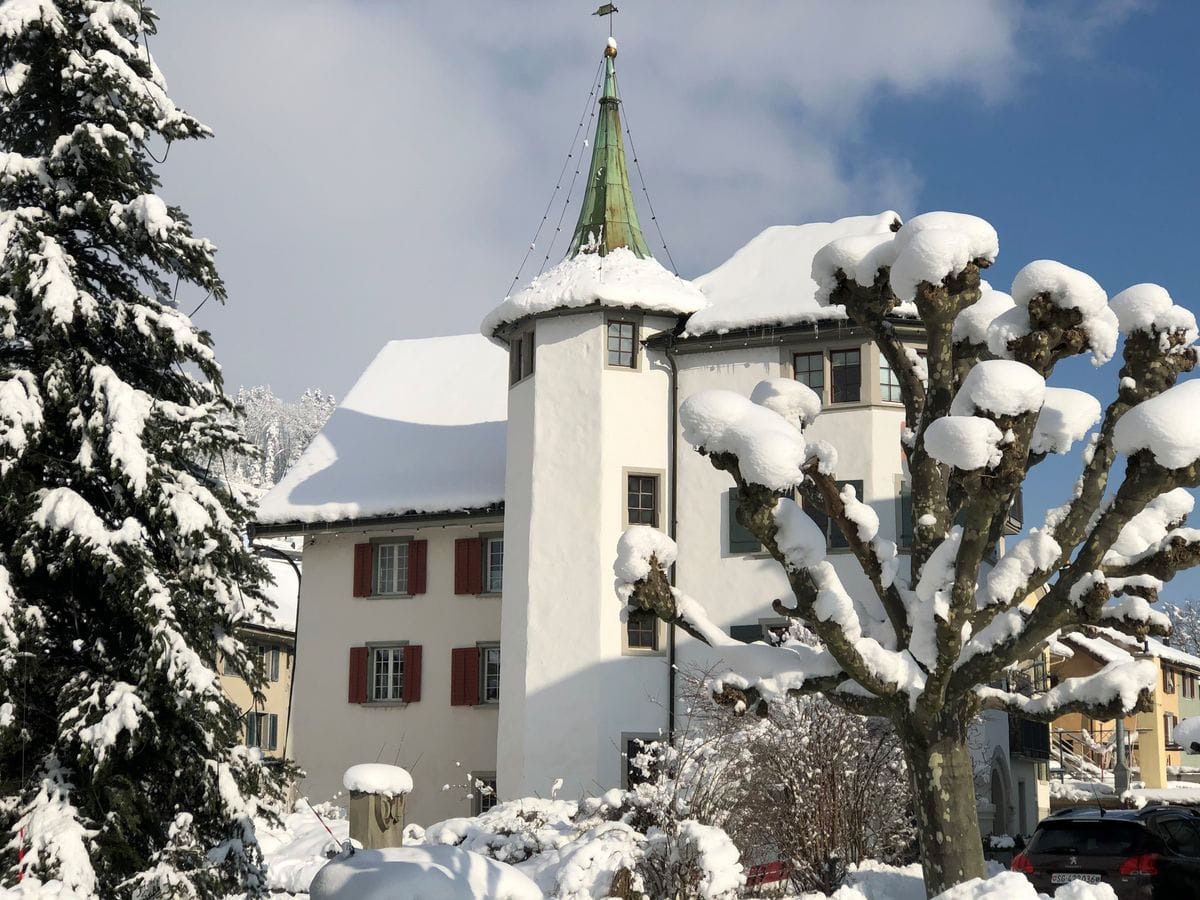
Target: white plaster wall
438, 743
737, 589
574, 429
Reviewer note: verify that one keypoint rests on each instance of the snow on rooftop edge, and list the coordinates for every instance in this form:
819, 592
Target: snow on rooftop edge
769, 280
421, 431
618, 279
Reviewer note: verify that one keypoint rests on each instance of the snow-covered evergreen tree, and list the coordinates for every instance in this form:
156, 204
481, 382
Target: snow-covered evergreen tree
122, 568
278, 430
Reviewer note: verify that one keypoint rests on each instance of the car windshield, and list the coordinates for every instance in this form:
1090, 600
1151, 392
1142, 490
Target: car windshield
1087, 838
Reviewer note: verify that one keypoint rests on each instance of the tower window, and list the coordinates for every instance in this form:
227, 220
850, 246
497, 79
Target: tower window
889, 383
520, 357
642, 500
846, 371
641, 629
622, 344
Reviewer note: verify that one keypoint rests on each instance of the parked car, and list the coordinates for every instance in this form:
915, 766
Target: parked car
1151, 853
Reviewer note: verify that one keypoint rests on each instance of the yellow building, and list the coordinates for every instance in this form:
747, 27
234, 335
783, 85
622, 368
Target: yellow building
1150, 734
266, 719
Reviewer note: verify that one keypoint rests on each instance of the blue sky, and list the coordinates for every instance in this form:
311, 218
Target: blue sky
379, 168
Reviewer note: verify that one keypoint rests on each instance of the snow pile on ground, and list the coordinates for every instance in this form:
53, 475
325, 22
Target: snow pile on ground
452, 437
618, 279
420, 873
769, 281
378, 778
299, 846
874, 881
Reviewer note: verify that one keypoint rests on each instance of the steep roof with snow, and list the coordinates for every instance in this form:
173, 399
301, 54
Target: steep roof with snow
1174, 655
769, 281
421, 431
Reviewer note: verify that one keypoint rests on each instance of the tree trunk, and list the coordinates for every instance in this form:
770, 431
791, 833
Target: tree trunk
943, 781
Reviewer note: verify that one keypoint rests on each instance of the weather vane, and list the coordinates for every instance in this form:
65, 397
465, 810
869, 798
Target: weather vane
607, 10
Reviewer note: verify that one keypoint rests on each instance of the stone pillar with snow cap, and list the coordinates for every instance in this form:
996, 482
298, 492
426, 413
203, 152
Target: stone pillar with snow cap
377, 793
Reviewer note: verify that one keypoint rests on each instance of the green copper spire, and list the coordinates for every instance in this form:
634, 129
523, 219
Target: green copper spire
607, 219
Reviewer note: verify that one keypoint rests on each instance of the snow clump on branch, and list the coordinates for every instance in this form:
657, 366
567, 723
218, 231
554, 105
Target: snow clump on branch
1069, 288
1166, 425
794, 400
1067, 415
1149, 308
999, 387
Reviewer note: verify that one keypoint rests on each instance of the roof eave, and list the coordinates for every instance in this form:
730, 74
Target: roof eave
483, 514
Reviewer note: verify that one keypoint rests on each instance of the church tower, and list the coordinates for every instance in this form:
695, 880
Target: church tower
587, 455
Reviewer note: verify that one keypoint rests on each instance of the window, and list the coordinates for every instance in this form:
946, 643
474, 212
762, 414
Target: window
493, 564
889, 383
391, 568
387, 674
262, 730
641, 762
833, 534
1182, 836
741, 540
1189, 685
622, 344
520, 357
846, 375
483, 792
809, 368
270, 661
641, 630
1169, 723
642, 503
1168, 680
489, 673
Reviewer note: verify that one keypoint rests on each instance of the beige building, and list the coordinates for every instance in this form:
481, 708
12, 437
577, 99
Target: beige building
266, 723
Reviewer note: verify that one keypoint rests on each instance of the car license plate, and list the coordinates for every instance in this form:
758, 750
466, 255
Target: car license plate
1066, 877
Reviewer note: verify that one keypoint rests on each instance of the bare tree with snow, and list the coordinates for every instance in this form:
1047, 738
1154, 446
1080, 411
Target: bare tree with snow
924, 647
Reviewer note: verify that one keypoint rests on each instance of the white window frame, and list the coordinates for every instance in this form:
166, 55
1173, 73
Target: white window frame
395, 653
493, 579
490, 648
394, 586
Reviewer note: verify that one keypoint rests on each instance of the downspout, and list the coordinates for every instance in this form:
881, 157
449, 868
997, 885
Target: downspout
673, 471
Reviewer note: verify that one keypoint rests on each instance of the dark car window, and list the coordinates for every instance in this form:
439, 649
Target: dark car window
1181, 836
1087, 838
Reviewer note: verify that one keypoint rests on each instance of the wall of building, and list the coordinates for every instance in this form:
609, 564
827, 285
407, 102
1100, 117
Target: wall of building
275, 692
576, 428
439, 743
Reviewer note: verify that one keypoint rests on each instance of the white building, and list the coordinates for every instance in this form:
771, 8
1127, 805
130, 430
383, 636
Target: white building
449, 455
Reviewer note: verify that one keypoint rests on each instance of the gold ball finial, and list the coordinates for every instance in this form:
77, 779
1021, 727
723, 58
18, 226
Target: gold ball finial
611, 49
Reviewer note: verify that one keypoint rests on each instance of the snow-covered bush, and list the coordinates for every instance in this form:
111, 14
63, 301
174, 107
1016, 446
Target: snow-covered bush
600, 847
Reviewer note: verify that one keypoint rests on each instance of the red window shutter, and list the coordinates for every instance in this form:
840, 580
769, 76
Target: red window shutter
464, 676
417, 554
468, 566
362, 570
358, 674
412, 673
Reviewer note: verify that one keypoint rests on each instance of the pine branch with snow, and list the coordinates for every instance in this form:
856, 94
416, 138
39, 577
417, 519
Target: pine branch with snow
921, 645
123, 574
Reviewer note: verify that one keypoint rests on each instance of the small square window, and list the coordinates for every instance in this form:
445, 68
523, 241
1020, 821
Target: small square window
641, 762
889, 383
642, 500
622, 344
387, 674
846, 374
809, 368
489, 673
391, 568
641, 630
520, 357
493, 565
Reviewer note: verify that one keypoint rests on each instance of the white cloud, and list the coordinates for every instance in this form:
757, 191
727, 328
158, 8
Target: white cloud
379, 168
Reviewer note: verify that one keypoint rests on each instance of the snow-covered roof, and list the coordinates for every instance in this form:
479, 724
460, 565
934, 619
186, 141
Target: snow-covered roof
283, 590
618, 279
421, 431
769, 281
1171, 654
1100, 648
